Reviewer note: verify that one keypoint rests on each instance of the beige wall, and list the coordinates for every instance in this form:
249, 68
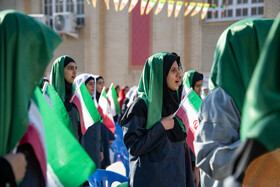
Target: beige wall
210, 33
103, 43
271, 8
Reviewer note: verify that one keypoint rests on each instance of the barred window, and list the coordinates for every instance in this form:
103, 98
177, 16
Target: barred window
223, 10
76, 6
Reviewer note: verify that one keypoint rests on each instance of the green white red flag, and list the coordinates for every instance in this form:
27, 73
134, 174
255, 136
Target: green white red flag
105, 111
67, 162
113, 100
87, 110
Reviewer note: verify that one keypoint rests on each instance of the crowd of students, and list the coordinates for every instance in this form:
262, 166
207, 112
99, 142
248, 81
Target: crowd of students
237, 121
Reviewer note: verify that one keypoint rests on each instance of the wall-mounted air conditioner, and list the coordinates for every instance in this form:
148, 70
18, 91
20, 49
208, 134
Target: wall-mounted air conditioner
64, 22
42, 18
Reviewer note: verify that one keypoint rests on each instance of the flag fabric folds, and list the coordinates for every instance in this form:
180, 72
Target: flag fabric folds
35, 136
105, 111
113, 99
188, 111
87, 110
58, 107
68, 163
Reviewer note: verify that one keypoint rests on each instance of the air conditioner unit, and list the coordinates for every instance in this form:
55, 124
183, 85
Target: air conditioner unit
42, 18
64, 22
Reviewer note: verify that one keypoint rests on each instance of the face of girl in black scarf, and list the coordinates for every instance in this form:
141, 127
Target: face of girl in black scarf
70, 72
99, 85
174, 77
90, 86
172, 82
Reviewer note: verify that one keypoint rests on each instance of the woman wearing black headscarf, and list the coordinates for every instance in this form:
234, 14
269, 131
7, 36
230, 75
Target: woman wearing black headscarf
153, 137
63, 73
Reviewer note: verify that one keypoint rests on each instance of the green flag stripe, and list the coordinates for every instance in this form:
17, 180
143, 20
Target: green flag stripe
59, 108
195, 101
115, 98
68, 159
89, 103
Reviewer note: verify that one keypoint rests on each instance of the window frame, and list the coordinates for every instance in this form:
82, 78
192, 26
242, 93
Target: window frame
249, 5
64, 9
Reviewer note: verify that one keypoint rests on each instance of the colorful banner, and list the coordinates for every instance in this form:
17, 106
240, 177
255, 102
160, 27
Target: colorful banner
116, 3
143, 6
178, 8
170, 8
204, 10
132, 5
197, 9
107, 2
123, 4
94, 3
189, 9
151, 5
160, 6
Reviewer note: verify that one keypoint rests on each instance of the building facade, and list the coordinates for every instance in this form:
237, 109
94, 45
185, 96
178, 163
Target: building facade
115, 44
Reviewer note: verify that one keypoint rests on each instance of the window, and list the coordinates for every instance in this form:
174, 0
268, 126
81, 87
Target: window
223, 10
75, 6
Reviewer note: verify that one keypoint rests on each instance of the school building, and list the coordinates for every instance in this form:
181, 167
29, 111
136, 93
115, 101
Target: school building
116, 44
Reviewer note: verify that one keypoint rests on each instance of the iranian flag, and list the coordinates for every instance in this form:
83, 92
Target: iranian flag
87, 110
35, 136
105, 111
188, 112
113, 100
57, 106
67, 162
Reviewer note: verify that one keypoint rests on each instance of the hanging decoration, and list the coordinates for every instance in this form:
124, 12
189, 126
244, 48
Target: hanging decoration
160, 6
123, 4
214, 10
151, 5
204, 10
197, 9
107, 4
170, 8
203, 7
190, 7
132, 5
116, 3
94, 3
178, 8
222, 11
143, 6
